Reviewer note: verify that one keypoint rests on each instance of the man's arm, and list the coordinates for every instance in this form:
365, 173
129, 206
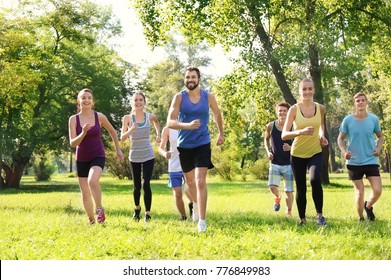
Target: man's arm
266, 140
218, 117
173, 113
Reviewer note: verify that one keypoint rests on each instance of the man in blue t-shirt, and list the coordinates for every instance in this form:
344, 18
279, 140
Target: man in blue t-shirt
189, 113
362, 153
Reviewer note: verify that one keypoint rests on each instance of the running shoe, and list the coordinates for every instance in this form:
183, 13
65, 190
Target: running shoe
191, 209
147, 217
201, 226
100, 212
277, 203
321, 221
136, 214
369, 212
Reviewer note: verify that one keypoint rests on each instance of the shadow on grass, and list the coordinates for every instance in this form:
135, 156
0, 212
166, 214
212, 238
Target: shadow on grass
56, 186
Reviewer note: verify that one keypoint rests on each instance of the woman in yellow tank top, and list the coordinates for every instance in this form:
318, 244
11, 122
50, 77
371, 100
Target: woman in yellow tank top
307, 118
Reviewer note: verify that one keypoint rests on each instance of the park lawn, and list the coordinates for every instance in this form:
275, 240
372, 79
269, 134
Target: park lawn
46, 221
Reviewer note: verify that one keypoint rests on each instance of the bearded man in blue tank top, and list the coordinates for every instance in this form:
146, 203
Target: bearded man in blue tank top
189, 113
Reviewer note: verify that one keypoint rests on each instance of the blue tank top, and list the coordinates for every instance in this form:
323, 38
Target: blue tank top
281, 157
189, 112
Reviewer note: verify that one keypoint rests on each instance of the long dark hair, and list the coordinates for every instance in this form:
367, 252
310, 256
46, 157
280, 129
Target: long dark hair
80, 93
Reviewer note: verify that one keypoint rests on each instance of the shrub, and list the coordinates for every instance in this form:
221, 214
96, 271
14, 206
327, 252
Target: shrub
260, 169
43, 171
122, 170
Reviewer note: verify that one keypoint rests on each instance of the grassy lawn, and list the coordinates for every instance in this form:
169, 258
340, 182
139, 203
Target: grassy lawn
46, 221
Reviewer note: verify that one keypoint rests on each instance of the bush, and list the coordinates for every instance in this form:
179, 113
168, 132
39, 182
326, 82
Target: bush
119, 169
122, 170
43, 171
161, 165
225, 166
260, 169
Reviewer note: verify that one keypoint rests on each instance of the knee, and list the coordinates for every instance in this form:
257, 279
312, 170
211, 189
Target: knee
315, 183
93, 183
377, 192
177, 195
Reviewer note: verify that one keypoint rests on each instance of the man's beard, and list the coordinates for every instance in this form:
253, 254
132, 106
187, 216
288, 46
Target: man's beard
191, 85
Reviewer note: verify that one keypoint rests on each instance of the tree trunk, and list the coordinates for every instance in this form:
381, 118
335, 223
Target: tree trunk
315, 72
70, 162
16, 175
272, 60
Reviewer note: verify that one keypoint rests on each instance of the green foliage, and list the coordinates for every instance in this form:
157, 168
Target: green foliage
118, 169
49, 50
225, 162
260, 169
160, 166
333, 41
43, 171
122, 170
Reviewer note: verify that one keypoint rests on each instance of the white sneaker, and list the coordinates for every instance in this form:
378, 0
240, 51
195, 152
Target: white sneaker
201, 226
196, 215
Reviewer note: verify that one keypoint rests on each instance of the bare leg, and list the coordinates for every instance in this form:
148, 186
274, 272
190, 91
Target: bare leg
86, 198
274, 190
359, 189
93, 182
289, 202
202, 191
177, 191
376, 186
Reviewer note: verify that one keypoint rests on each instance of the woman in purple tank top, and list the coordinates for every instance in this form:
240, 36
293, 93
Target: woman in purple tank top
85, 135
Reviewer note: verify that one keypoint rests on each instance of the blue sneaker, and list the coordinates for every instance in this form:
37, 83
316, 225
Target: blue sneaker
321, 221
277, 203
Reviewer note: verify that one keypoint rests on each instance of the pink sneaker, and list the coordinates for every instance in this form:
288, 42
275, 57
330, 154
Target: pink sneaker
100, 212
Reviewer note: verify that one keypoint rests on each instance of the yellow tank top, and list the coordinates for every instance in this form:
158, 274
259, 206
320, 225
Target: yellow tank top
305, 146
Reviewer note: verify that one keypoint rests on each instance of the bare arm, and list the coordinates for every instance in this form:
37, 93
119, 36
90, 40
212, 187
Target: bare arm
379, 145
217, 116
163, 143
75, 139
173, 113
113, 134
341, 144
287, 134
155, 121
323, 140
266, 140
126, 130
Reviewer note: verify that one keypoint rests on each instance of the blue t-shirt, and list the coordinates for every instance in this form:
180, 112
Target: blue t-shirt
189, 112
361, 142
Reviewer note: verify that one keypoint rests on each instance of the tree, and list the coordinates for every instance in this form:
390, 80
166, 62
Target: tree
50, 50
276, 36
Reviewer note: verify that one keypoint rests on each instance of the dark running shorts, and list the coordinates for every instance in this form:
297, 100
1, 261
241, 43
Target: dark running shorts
357, 172
196, 157
83, 167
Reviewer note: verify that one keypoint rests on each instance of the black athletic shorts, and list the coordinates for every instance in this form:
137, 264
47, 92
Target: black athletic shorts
195, 157
83, 167
357, 172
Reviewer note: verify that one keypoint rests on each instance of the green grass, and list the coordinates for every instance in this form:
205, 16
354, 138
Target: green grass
46, 221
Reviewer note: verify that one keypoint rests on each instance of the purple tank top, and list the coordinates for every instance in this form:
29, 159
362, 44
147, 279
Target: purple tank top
91, 146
